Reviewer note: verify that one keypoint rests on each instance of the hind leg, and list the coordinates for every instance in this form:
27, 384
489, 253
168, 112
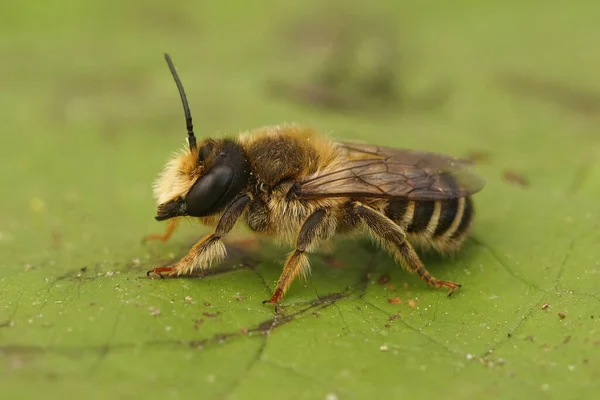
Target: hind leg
394, 241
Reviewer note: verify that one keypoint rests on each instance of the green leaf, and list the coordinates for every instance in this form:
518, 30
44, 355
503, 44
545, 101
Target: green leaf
90, 114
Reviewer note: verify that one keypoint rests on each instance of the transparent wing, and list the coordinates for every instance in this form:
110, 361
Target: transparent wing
376, 171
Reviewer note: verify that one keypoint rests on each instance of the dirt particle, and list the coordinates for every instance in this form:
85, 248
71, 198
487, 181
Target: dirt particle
383, 279
515, 178
394, 300
211, 314
545, 347
207, 304
83, 269
393, 317
567, 339
197, 323
56, 238
239, 298
388, 326
187, 299
7, 324
244, 331
154, 311
545, 306
316, 314
562, 315
529, 338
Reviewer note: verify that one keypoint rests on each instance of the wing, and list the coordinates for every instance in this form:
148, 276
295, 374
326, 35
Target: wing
375, 171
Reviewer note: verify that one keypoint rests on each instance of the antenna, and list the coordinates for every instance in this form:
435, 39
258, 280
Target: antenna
186, 108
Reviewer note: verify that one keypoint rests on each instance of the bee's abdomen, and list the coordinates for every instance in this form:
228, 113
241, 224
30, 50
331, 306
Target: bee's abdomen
440, 222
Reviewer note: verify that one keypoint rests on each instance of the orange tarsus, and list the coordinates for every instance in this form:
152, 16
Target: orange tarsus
164, 236
158, 271
276, 297
453, 286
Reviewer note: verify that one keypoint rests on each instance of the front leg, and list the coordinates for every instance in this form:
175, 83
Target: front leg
210, 249
319, 226
163, 237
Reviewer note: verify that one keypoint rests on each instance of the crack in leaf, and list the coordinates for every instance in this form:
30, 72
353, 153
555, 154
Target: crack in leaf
415, 329
8, 323
512, 333
435, 308
257, 358
504, 265
263, 329
106, 348
342, 317
561, 269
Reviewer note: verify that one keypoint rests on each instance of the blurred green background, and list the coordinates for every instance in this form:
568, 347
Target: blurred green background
90, 115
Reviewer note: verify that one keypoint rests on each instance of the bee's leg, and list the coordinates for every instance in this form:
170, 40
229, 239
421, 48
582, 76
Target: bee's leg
172, 224
317, 227
394, 240
210, 249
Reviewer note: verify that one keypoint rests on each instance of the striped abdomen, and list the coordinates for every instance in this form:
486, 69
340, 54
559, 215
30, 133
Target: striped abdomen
441, 223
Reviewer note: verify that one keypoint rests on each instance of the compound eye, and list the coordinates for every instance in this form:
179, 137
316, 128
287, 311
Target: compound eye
205, 197
205, 151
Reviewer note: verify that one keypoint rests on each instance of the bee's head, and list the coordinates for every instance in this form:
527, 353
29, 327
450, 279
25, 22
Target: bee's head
205, 178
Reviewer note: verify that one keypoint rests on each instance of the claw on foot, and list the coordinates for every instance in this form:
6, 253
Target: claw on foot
451, 285
160, 270
275, 298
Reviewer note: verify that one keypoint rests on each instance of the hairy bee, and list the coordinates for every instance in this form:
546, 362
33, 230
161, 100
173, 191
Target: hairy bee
293, 184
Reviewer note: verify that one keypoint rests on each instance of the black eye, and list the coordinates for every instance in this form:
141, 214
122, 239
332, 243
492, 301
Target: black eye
205, 151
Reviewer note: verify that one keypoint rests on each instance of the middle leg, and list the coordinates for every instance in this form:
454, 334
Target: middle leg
319, 226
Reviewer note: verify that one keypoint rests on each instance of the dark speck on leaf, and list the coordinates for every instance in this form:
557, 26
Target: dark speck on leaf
393, 317
383, 279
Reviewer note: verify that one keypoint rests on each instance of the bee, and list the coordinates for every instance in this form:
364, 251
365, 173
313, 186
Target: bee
291, 183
